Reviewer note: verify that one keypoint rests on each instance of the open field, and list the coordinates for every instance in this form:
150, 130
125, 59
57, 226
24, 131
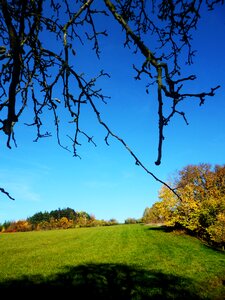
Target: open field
117, 262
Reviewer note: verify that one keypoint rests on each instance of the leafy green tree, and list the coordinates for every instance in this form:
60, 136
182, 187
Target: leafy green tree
69, 213
39, 217
59, 213
27, 59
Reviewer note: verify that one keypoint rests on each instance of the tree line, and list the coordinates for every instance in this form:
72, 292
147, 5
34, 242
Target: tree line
55, 219
199, 208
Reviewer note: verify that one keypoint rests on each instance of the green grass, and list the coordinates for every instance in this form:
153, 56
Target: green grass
118, 262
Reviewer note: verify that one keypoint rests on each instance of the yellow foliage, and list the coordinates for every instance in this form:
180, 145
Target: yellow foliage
201, 206
217, 231
20, 225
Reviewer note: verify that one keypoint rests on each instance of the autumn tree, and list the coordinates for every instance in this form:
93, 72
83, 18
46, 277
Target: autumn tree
157, 214
46, 79
200, 207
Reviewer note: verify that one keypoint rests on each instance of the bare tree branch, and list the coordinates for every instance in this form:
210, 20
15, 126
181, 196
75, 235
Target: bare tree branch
31, 71
161, 68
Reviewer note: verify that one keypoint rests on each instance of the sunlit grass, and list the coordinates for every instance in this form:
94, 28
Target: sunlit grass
50, 253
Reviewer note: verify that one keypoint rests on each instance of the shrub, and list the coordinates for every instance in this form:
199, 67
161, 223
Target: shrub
130, 221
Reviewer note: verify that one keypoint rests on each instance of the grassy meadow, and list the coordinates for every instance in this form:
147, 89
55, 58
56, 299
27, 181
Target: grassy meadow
115, 262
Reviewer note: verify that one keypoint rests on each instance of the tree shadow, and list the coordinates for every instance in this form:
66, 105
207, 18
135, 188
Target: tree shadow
103, 281
161, 228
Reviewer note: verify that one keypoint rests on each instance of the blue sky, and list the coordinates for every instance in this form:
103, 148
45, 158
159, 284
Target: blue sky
105, 181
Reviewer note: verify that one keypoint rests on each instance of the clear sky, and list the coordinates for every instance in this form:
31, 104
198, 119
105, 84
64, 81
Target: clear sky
105, 181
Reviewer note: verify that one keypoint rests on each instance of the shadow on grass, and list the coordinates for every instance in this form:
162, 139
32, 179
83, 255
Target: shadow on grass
160, 228
104, 281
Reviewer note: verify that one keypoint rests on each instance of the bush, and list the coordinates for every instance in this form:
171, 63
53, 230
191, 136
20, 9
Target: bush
130, 221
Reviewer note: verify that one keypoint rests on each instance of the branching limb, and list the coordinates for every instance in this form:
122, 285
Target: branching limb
165, 81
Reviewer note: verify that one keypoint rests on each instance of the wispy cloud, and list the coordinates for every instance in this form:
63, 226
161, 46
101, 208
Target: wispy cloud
20, 185
25, 192
19, 163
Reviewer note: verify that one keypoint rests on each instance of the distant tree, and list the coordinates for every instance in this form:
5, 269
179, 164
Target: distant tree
47, 79
44, 225
65, 223
39, 217
83, 219
5, 226
55, 214
69, 213
153, 214
18, 226
113, 222
59, 213
130, 221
